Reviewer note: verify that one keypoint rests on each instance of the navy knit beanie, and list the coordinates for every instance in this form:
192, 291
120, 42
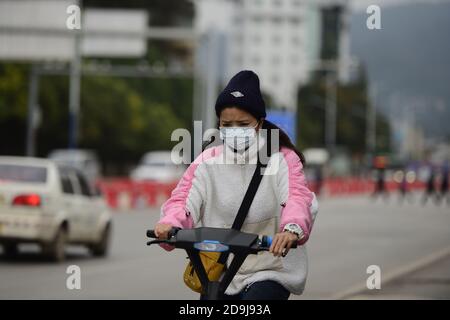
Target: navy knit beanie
243, 91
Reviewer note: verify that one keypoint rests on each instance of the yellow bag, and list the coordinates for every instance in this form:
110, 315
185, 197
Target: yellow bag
213, 269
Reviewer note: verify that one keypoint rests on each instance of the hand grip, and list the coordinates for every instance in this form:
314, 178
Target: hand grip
151, 234
266, 242
172, 232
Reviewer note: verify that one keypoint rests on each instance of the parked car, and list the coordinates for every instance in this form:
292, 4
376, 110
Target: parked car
158, 166
84, 160
51, 205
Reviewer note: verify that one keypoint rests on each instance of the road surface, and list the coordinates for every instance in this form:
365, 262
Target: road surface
349, 235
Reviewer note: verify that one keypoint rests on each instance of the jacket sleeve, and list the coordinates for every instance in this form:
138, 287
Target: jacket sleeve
174, 211
298, 202
183, 208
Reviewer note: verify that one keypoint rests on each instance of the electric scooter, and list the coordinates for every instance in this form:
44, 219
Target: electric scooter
240, 244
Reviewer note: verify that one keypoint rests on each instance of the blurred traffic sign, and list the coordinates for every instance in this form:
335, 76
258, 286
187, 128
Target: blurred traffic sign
19, 39
108, 33
37, 31
285, 120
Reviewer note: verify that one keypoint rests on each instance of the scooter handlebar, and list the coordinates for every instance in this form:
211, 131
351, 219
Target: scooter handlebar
172, 232
264, 242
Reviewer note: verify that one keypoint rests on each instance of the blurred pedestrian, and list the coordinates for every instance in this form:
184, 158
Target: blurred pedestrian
430, 190
403, 189
319, 180
380, 185
444, 194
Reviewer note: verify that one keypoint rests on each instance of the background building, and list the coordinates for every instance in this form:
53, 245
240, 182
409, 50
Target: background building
281, 40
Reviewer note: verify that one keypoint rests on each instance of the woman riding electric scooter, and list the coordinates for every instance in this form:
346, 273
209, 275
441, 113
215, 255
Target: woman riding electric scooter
212, 189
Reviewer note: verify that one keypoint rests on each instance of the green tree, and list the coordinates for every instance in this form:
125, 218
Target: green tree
115, 119
13, 107
351, 116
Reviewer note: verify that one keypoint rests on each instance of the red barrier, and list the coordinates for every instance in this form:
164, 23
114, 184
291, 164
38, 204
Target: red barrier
349, 186
123, 194
127, 194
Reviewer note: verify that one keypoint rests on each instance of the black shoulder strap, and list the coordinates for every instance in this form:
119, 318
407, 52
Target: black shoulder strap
251, 191
248, 198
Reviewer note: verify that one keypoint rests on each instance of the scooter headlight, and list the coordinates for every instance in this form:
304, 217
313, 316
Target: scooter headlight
210, 245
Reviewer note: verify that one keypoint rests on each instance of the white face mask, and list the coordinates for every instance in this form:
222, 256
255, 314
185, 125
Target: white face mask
238, 138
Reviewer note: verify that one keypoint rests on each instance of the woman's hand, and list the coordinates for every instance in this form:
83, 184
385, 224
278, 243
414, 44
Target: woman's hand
162, 230
282, 242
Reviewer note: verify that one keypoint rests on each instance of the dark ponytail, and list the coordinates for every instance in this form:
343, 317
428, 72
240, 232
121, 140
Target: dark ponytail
285, 141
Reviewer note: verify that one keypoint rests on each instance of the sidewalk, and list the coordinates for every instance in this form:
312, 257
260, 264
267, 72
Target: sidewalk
429, 282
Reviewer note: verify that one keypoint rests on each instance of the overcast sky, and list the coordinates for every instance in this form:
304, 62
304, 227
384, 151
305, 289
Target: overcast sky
409, 60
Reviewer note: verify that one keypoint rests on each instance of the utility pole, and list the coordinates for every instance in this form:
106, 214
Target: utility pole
74, 92
331, 111
371, 121
212, 82
32, 112
207, 80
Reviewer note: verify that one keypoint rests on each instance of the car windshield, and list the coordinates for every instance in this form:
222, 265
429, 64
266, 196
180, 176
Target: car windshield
158, 159
159, 164
70, 163
72, 158
23, 173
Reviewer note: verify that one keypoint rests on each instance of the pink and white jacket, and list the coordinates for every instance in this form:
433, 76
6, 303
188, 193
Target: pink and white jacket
211, 191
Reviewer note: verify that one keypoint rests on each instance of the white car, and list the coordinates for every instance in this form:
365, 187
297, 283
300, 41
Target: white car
41, 202
158, 166
84, 160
